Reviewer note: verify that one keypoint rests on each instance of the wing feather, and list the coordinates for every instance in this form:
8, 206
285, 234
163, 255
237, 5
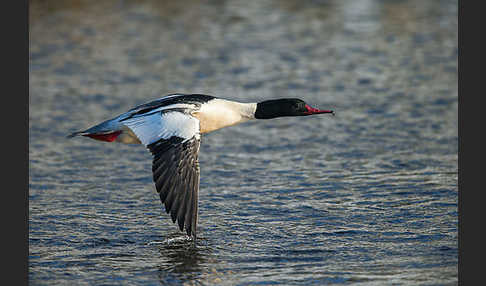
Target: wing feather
173, 139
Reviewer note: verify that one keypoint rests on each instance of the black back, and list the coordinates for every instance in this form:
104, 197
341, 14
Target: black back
165, 101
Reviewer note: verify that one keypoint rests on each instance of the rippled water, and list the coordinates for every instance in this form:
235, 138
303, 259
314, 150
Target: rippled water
366, 197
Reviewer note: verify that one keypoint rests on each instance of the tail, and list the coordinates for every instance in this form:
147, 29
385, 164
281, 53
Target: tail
76, 134
105, 131
108, 136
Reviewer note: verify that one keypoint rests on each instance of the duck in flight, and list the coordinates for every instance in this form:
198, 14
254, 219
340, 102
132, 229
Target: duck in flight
171, 128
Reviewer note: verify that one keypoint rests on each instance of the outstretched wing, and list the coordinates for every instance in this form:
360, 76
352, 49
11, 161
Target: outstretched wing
173, 138
176, 175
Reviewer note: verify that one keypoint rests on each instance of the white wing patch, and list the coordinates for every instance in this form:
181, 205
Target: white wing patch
152, 127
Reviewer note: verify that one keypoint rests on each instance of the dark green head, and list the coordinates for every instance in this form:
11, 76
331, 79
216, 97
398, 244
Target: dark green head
285, 107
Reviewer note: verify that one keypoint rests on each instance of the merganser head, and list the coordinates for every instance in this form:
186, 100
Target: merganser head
285, 107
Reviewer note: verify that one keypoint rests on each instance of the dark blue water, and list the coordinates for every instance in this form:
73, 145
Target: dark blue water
366, 197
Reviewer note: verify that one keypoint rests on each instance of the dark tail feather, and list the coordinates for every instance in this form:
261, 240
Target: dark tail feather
75, 134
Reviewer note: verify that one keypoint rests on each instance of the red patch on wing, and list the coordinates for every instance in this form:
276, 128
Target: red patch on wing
108, 137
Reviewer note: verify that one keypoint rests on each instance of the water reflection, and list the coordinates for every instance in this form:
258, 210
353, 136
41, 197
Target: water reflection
184, 262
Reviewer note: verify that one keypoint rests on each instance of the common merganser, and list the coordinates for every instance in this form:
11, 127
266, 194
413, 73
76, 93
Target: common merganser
171, 128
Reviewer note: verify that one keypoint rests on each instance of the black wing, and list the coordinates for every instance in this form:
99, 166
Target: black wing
171, 99
175, 170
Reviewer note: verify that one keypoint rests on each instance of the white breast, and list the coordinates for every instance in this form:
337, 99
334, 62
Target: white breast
219, 113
